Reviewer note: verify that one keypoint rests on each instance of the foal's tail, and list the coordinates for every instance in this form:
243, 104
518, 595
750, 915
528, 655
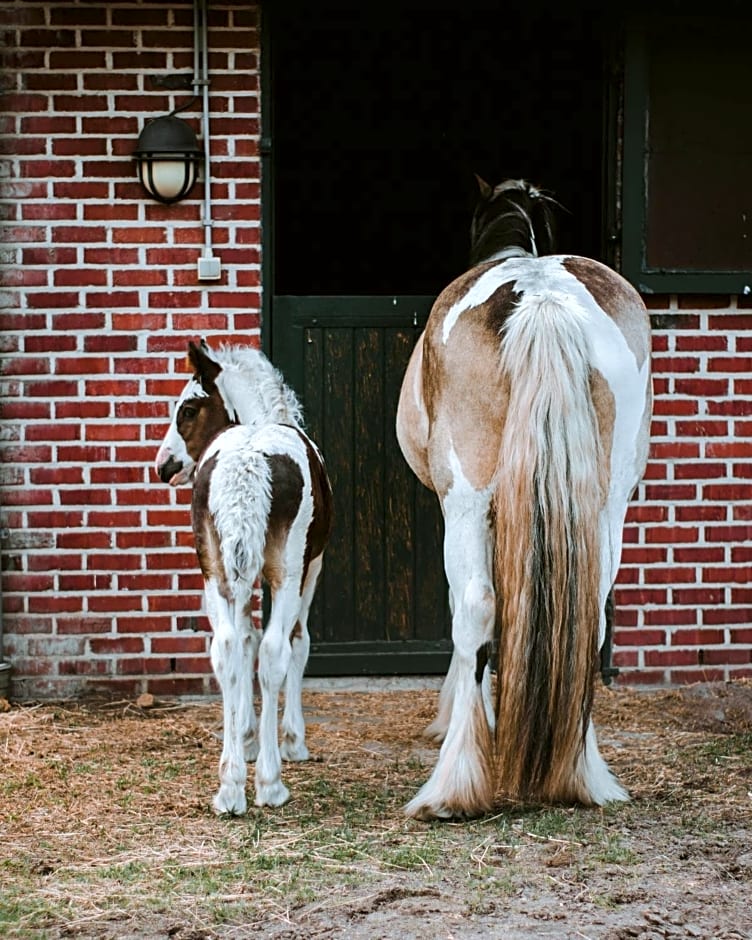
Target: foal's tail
551, 486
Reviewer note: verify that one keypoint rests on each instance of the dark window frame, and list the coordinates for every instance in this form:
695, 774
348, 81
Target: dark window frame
635, 208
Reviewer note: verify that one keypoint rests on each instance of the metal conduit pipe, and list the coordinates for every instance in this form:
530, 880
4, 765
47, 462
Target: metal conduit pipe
209, 268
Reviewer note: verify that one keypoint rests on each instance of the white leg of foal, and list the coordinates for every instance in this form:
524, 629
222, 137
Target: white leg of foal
228, 662
251, 640
293, 746
462, 783
274, 659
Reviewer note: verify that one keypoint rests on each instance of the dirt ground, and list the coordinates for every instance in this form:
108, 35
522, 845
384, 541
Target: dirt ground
106, 830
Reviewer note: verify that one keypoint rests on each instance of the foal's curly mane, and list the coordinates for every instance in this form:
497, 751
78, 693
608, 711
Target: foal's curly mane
255, 389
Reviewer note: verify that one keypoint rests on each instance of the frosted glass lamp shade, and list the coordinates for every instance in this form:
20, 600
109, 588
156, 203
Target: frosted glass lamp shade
167, 156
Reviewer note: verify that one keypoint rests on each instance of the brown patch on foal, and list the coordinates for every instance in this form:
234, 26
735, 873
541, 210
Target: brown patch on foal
287, 495
206, 537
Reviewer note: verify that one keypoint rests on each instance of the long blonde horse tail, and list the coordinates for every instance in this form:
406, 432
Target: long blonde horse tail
551, 486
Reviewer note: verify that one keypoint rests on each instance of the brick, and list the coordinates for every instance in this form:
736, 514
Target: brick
729, 449
700, 513
671, 616
48, 603
105, 645
179, 644
700, 470
640, 637
699, 555
711, 342
672, 657
726, 657
730, 364
697, 596
706, 428
691, 676
671, 534
82, 410
728, 615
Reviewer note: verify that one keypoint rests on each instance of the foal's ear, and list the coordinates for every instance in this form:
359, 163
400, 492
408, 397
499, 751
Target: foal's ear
206, 368
486, 191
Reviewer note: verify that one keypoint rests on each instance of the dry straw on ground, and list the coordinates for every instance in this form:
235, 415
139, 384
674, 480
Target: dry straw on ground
107, 831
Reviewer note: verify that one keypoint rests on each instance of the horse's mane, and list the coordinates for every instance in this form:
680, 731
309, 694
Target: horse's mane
513, 219
255, 389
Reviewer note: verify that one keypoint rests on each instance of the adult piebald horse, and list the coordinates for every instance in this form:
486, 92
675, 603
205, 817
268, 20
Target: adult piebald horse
526, 407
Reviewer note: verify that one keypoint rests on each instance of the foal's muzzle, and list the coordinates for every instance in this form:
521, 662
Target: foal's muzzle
169, 469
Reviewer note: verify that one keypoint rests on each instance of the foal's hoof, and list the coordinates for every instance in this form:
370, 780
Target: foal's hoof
272, 794
230, 800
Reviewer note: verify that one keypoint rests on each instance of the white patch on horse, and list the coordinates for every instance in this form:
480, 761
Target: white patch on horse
482, 289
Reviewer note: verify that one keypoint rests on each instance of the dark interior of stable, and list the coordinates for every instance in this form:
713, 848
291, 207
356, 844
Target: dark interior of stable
381, 118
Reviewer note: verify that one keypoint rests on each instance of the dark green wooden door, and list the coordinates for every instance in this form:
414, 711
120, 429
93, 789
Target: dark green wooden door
382, 603
375, 120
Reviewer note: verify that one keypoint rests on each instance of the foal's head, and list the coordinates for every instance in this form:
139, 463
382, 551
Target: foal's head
200, 414
512, 219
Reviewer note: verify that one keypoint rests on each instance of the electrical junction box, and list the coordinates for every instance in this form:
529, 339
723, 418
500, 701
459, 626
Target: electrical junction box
209, 269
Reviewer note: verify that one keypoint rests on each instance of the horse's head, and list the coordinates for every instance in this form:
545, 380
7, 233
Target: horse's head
200, 414
513, 219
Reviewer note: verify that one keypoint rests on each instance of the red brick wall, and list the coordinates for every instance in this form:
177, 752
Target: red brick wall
100, 294
684, 600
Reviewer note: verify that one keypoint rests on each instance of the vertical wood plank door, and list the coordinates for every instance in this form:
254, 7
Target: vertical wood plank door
382, 603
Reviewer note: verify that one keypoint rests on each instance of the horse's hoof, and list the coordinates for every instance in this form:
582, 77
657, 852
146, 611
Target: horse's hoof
230, 801
293, 752
272, 794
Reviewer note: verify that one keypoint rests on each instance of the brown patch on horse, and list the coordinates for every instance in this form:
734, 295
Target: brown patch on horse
466, 394
287, 495
605, 413
412, 417
320, 528
199, 420
206, 537
617, 298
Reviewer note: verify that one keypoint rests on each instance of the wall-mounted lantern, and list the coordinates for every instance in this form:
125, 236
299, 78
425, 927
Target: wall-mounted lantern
168, 156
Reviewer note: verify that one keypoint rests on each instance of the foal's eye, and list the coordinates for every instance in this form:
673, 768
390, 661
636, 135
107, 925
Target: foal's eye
188, 413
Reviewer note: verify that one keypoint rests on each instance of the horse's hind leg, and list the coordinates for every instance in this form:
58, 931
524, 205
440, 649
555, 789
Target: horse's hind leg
437, 730
462, 783
597, 781
293, 747
275, 653
232, 660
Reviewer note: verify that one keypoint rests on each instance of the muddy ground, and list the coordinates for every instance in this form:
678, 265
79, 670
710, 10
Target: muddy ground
106, 830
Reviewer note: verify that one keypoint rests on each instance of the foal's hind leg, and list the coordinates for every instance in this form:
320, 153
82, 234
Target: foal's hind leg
275, 653
462, 783
293, 747
232, 655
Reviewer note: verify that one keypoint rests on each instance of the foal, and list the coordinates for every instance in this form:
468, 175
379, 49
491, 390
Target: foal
262, 506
